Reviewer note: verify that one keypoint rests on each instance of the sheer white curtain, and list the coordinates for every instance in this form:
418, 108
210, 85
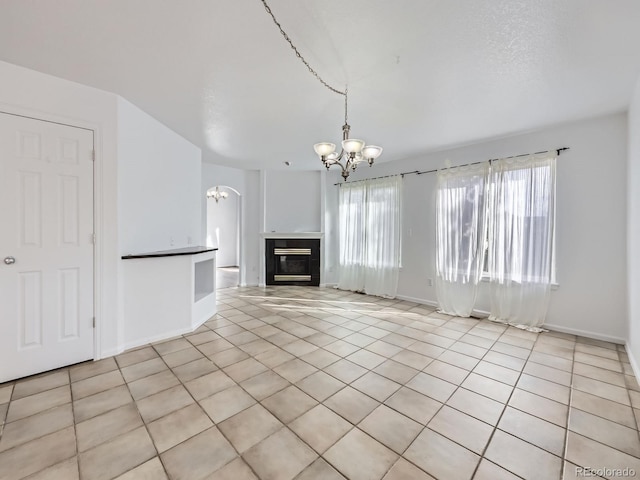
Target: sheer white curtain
521, 230
382, 264
351, 212
370, 243
460, 236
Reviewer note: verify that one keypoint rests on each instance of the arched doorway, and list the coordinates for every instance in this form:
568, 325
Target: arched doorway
224, 223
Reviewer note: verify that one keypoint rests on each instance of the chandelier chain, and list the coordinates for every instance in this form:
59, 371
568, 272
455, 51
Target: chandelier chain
346, 115
302, 59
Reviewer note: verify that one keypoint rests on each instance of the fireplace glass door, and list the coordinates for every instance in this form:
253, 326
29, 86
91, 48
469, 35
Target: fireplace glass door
293, 262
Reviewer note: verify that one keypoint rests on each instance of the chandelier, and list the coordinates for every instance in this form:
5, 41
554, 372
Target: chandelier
353, 151
217, 194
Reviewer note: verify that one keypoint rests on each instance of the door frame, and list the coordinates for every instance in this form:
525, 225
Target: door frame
239, 229
98, 206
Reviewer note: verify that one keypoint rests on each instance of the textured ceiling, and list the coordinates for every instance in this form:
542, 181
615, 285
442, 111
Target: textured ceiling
422, 74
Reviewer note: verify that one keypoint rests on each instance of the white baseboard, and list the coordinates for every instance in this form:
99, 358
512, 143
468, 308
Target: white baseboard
199, 323
110, 353
632, 360
421, 301
157, 338
585, 333
557, 328
433, 303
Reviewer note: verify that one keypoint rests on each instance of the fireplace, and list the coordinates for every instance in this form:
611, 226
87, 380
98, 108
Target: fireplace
292, 261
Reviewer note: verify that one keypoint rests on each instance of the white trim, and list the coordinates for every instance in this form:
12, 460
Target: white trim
266, 235
240, 232
486, 279
153, 339
262, 262
585, 333
323, 208
239, 229
98, 206
157, 338
421, 301
556, 328
632, 360
263, 200
112, 352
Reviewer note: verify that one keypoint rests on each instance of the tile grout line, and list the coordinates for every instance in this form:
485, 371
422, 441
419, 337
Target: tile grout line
565, 445
432, 360
504, 409
371, 323
633, 410
135, 402
239, 455
215, 424
75, 424
353, 426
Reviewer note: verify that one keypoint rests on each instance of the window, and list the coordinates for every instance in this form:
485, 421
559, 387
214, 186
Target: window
502, 220
520, 238
369, 222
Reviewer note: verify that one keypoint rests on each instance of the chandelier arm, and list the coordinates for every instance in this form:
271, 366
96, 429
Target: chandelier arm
299, 55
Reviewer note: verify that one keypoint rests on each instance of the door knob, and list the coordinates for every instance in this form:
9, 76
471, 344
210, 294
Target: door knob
9, 260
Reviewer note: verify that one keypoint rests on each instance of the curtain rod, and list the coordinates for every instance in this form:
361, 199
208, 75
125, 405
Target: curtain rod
417, 172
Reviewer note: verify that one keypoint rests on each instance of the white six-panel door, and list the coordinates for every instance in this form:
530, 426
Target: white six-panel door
46, 246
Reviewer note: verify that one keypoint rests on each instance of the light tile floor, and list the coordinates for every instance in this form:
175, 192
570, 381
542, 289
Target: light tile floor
306, 383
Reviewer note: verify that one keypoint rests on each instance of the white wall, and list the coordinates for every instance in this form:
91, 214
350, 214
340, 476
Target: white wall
158, 184
159, 207
292, 201
633, 231
253, 217
331, 234
31, 93
591, 221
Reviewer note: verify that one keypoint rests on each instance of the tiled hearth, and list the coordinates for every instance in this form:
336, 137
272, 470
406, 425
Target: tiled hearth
314, 383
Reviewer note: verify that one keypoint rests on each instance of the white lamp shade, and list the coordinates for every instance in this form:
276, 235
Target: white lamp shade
352, 145
324, 149
371, 152
332, 157
358, 158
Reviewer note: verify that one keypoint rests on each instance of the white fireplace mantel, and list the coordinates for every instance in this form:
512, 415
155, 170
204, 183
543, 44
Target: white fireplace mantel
292, 234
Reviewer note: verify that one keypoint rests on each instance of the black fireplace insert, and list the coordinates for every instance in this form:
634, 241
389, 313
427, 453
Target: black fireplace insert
292, 261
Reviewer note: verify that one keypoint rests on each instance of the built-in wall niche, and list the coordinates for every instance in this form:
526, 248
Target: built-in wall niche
203, 279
